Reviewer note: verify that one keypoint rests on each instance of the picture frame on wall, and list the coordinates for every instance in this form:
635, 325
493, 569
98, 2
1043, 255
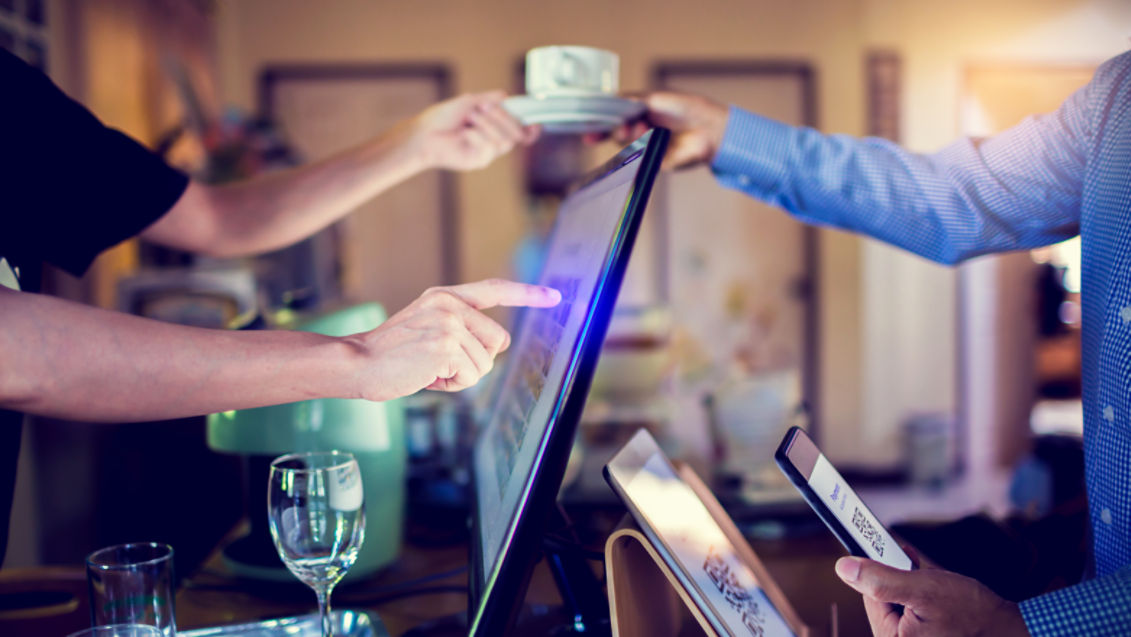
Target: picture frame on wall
406, 240
883, 70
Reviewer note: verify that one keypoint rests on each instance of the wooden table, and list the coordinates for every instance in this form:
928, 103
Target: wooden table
802, 566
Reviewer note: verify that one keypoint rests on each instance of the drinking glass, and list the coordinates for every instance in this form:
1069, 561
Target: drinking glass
132, 584
316, 510
119, 630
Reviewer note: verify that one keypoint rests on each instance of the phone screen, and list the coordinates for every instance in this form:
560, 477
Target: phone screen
829, 489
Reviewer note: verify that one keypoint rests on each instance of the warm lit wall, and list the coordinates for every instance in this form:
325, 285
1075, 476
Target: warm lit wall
888, 320
482, 41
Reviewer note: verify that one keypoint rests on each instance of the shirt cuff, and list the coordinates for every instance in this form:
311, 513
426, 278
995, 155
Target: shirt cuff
754, 152
1096, 607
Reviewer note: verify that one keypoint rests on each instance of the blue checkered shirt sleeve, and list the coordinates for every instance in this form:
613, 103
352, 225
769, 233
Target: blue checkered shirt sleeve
1018, 190
1101, 606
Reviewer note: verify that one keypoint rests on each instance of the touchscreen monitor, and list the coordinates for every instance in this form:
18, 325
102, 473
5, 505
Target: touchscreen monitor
519, 457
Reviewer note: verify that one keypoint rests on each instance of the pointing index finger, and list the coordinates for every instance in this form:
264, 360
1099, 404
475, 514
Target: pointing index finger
492, 292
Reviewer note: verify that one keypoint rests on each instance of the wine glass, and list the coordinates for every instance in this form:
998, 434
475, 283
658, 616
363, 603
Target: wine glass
316, 510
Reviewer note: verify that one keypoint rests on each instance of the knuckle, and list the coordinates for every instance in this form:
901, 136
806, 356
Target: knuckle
452, 343
431, 297
498, 335
440, 297
450, 322
446, 345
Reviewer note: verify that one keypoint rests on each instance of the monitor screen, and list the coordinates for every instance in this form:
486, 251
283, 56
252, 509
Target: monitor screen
520, 455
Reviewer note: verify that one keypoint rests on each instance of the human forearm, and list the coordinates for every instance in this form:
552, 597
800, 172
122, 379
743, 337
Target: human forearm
73, 361
463, 133
276, 210
59, 358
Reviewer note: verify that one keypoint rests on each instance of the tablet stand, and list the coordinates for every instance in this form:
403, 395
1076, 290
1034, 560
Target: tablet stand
646, 599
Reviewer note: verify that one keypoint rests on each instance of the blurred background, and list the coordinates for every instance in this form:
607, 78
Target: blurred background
944, 393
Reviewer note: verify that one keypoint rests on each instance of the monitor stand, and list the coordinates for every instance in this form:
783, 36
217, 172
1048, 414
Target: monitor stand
584, 609
584, 606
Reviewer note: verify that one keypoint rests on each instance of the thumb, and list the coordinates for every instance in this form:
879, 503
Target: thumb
884, 583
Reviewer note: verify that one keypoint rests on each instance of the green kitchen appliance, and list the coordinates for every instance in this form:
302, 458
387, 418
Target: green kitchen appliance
372, 432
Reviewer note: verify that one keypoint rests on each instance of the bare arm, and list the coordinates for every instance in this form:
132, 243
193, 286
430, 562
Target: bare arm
69, 360
464, 133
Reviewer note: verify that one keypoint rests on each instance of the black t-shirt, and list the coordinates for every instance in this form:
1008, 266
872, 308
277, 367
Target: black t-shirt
69, 189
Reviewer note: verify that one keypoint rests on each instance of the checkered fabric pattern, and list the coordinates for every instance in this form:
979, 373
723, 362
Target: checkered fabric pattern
1095, 607
1047, 179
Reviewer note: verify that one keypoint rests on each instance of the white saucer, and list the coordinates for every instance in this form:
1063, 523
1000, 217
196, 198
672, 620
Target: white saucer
573, 113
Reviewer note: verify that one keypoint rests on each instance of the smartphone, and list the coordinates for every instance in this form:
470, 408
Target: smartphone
835, 502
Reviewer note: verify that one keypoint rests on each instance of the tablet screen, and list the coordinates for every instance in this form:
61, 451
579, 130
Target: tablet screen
674, 517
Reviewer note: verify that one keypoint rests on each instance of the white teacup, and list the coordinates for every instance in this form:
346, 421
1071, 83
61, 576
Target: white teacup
571, 71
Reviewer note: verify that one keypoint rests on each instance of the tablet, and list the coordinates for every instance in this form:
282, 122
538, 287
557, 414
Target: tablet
692, 543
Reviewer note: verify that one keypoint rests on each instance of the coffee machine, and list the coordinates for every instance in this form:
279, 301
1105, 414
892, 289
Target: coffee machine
372, 432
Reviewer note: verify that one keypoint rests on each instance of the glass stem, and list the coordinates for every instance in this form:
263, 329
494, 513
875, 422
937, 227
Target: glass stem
324, 610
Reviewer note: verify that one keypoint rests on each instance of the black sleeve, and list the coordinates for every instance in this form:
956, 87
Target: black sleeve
69, 186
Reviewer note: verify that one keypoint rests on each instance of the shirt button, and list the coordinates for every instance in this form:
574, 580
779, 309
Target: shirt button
1125, 314
1109, 413
1105, 515
745, 181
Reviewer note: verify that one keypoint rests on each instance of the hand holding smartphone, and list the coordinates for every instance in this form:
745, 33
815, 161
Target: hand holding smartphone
836, 503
